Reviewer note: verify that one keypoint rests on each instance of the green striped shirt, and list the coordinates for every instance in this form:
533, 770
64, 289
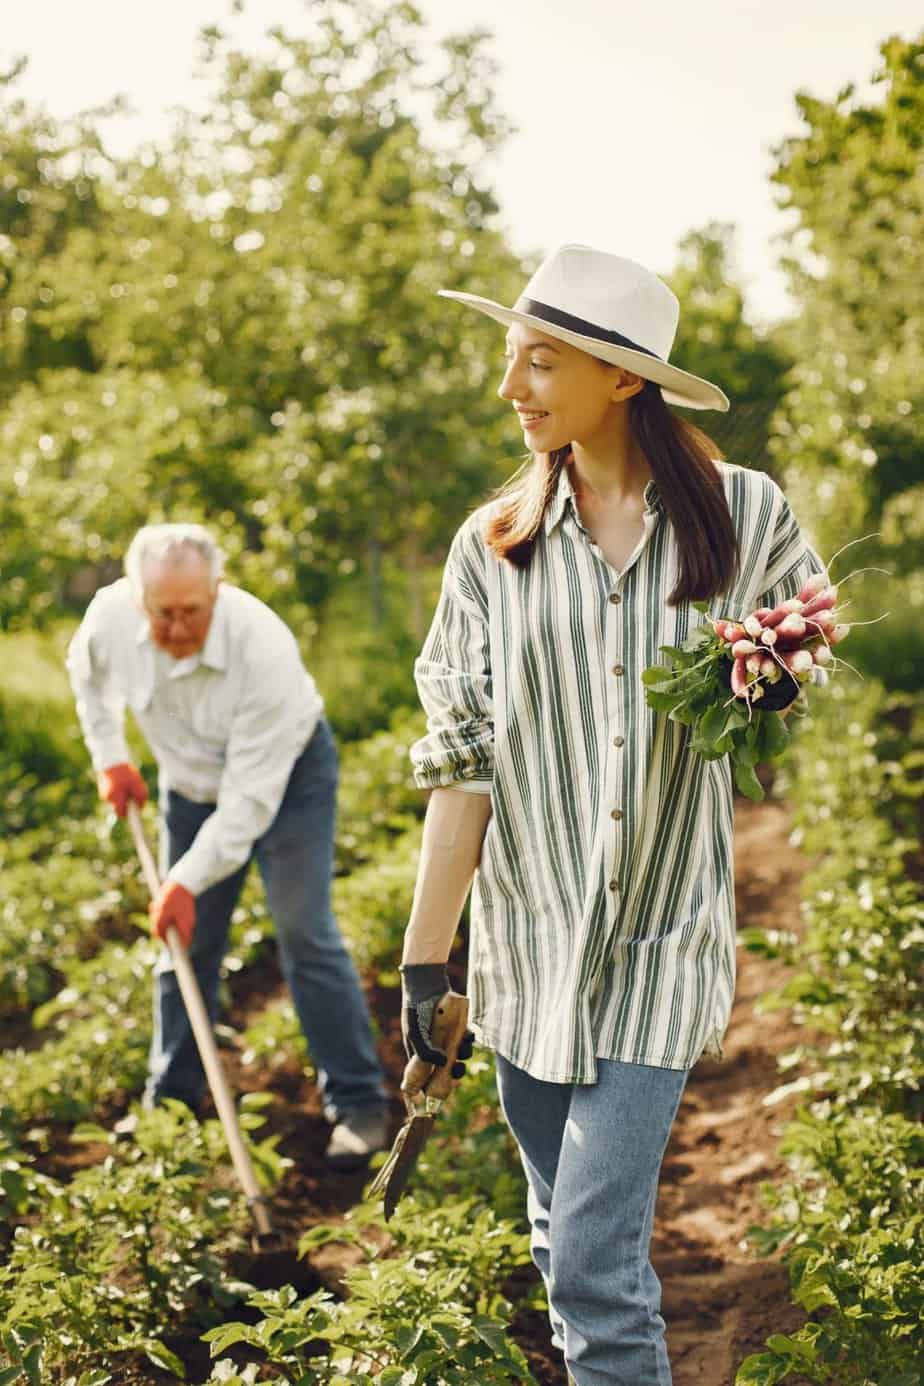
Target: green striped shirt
603, 915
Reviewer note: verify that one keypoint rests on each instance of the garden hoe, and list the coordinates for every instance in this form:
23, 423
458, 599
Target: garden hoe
264, 1239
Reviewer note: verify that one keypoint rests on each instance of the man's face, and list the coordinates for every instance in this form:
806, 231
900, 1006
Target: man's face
179, 598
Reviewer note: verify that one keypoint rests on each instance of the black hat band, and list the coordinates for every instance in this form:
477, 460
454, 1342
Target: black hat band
535, 309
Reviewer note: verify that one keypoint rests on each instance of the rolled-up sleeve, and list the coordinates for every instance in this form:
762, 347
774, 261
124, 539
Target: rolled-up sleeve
791, 560
453, 676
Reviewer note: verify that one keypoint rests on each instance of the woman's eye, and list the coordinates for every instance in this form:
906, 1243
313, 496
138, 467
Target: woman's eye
539, 365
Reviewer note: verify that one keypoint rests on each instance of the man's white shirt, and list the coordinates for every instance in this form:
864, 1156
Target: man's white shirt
226, 724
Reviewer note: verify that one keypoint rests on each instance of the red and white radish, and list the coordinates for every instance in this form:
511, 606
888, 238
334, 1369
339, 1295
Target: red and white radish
813, 586
822, 602
792, 628
739, 679
798, 661
823, 621
741, 648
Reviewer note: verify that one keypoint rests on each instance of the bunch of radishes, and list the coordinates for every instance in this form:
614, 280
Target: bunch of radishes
786, 641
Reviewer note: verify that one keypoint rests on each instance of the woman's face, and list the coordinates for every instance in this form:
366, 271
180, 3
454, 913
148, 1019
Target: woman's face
561, 395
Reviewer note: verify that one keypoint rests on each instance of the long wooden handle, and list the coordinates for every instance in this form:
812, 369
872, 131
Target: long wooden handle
205, 1039
449, 1023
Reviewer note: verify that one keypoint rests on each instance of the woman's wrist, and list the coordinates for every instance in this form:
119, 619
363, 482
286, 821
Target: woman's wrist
422, 981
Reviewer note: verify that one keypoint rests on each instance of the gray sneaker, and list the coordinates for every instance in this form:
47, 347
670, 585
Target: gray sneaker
356, 1137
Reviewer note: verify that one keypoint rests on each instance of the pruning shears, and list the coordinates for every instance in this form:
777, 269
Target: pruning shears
424, 1088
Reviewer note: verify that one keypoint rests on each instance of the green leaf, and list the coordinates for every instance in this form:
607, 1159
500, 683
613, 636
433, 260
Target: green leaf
162, 1357
761, 1369
747, 781
32, 1363
795, 1348
227, 1334
656, 673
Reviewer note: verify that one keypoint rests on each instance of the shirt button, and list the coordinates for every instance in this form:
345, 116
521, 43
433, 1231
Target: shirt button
614, 885
615, 598
619, 741
617, 814
618, 669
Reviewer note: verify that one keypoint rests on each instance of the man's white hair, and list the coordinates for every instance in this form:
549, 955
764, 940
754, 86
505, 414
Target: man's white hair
170, 543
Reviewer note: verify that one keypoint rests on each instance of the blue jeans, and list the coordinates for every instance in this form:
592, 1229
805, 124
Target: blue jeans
592, 1154
295, 856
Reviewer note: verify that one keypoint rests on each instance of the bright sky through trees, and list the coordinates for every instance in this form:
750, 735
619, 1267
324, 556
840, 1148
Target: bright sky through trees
635, 123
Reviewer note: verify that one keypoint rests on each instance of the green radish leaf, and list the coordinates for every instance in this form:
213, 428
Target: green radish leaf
747, 781
774, 735
656, 673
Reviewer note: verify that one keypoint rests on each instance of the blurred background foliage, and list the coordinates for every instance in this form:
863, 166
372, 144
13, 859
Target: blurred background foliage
241, 326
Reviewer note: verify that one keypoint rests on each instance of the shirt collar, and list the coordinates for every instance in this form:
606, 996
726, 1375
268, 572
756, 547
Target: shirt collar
564, 495
556, 506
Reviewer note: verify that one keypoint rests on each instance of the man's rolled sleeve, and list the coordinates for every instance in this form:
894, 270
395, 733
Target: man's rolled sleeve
453, 677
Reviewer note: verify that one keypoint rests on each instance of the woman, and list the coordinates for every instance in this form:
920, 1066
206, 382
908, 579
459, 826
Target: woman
601, 961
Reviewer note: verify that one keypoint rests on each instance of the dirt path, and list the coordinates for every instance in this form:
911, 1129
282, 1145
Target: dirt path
719, 1302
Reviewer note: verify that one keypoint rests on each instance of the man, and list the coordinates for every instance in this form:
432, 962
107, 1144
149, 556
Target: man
247, 769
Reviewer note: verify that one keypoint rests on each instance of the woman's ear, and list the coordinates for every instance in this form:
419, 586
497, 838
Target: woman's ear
625, 385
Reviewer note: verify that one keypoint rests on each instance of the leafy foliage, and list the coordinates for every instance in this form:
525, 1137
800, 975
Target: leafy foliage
850, 1221
125, 1247
845, 435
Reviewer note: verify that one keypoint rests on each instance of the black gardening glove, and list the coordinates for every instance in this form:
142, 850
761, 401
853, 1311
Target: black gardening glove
422, 986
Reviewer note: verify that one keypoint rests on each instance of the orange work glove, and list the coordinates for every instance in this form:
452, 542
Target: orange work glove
173, 906
120, 783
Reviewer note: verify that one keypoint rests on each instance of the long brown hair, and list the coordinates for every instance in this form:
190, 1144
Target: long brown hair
681, 457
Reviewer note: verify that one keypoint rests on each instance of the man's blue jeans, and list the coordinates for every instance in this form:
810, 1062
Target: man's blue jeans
592, 1154
295, 856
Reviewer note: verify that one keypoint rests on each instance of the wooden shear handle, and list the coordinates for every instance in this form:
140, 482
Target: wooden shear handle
450, 1020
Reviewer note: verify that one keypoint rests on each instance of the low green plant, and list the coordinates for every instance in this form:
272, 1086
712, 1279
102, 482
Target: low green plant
372, 904
129, 1245
423, 1307
852, 1226
377, 800
98, 1043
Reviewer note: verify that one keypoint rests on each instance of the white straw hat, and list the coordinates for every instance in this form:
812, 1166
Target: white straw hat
610, 307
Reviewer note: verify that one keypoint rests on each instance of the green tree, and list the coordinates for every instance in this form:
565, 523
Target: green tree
255, 302
847, 433
715, 340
